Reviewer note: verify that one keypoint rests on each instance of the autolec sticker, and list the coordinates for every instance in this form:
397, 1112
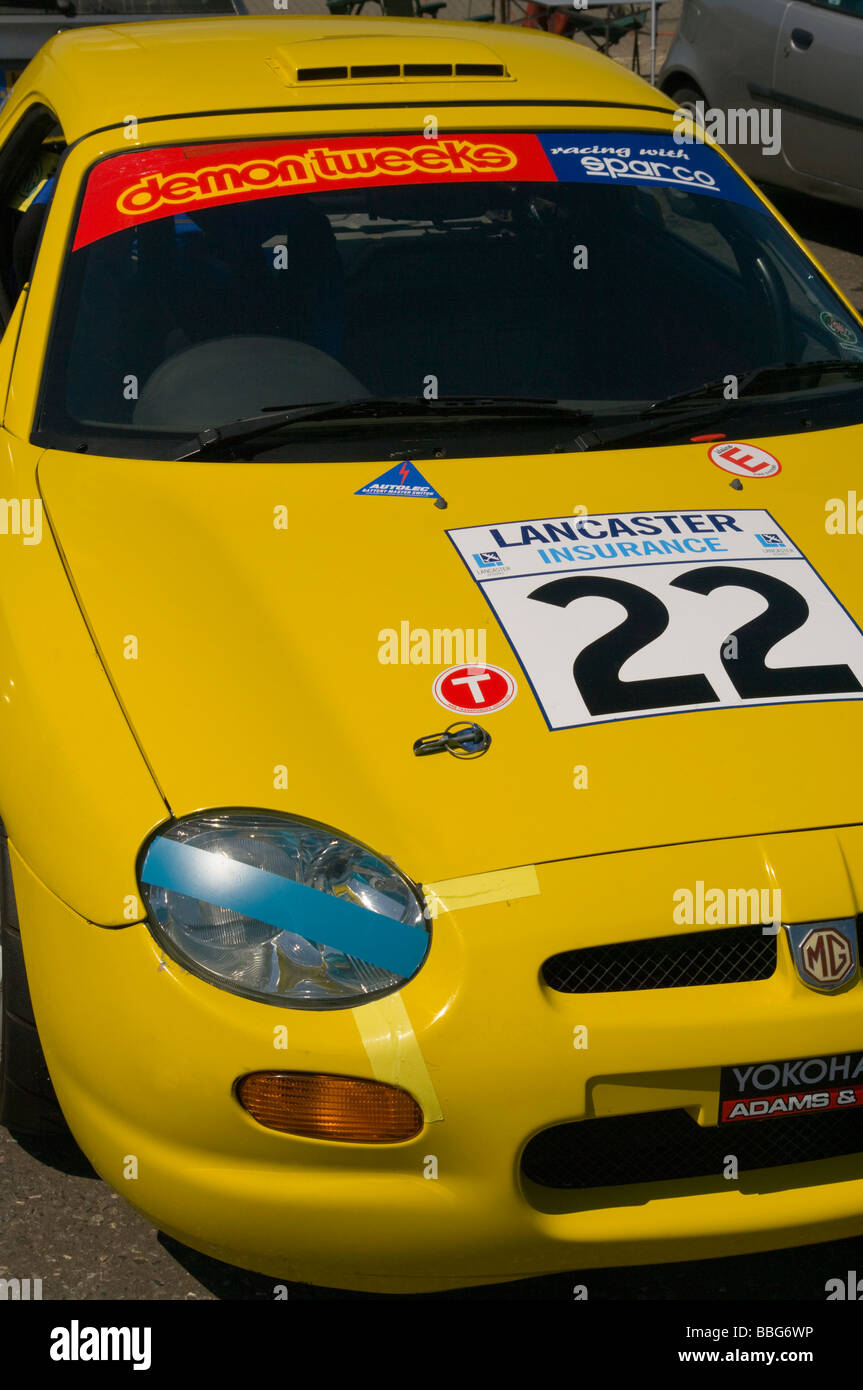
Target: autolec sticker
144, 185
477, 689
405, 480
617, 158
806, 1085
630, 615
746, 460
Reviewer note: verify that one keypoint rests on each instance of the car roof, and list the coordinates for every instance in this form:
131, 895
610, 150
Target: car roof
98, 77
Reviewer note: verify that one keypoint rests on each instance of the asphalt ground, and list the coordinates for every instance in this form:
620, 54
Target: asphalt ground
59, 1222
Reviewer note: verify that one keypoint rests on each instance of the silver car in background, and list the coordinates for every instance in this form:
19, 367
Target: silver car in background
800, 58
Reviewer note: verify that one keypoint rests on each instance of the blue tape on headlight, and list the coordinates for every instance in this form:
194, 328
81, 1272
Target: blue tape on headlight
279, 902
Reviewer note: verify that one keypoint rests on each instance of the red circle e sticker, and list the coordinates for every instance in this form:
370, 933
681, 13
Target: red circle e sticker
746, 460
474, 689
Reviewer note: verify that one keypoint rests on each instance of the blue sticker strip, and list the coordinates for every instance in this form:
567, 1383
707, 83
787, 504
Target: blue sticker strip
279, 902
622, 158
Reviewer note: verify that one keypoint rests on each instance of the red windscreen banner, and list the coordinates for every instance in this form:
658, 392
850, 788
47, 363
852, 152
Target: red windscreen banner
144, 185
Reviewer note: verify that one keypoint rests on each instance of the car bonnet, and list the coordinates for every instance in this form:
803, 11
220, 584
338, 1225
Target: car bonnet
281, 635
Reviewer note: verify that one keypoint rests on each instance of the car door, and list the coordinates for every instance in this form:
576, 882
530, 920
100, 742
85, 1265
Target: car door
817, 75
727, 48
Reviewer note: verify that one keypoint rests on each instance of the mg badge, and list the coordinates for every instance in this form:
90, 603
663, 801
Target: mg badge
825, 953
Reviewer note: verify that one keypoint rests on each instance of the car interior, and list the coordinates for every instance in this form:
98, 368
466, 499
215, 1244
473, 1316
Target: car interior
27, 166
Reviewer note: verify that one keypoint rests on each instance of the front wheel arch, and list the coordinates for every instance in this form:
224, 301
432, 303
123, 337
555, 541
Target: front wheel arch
28, 1102
682, 88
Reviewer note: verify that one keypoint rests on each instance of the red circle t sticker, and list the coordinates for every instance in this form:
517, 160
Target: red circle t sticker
746, 460
474, 689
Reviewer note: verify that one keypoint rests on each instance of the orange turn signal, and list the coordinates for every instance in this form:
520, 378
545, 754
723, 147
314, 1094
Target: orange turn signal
318, 1106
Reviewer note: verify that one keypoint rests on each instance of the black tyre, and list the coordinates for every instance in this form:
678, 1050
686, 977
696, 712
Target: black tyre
687, 96
27, 1099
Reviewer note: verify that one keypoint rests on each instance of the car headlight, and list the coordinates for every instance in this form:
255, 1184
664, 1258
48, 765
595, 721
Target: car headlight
282, 910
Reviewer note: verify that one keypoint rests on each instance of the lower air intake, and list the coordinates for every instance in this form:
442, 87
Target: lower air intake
667, 1145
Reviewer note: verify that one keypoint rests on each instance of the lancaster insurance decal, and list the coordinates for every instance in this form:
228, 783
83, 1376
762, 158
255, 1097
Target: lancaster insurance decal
630, 615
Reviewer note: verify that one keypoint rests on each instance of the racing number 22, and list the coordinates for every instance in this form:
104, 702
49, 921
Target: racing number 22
597, 669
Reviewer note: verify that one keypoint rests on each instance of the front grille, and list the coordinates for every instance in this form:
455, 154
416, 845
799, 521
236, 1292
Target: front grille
668, 1145
726, 956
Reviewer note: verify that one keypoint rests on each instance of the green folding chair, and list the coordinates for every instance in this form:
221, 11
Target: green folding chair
397, 9
607, 32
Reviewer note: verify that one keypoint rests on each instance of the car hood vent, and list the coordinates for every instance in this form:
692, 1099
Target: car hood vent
368, 71
335, 60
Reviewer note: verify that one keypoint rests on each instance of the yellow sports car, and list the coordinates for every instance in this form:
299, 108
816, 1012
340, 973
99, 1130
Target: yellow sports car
430, 659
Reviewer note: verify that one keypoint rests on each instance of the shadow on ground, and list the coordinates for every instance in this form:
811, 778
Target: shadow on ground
781, 1275
61, 1154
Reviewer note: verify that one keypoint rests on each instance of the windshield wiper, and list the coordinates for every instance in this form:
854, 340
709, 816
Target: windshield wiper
707, 404
768, 379
371, 407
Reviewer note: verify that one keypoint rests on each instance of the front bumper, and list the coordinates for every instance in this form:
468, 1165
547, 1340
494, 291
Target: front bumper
144, 1058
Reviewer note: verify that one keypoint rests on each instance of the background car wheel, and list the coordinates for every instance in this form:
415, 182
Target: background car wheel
27, 1099
686, 97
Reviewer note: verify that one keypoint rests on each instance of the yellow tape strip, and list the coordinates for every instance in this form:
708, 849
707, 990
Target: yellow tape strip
452, 894
395, 1055
385, 1027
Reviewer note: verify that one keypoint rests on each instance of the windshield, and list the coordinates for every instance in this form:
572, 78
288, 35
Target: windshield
208, 284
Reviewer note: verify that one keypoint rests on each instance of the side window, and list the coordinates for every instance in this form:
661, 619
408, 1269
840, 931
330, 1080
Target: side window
28, 163
854, 7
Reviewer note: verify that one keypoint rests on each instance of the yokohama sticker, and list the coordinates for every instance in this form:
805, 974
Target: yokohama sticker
474, 689
792, 1103
629, 615
806, 1085
746, 460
